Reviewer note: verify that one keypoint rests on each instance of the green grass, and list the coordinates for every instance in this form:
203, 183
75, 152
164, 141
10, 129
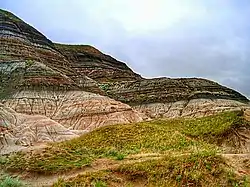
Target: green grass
114, 154
99, 184
211, 126
4, 57
10, 15
3, 160
8, 181
118, 141
200, 169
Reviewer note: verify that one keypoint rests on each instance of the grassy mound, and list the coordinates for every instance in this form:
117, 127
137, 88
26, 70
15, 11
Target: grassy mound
118, 141
200, 169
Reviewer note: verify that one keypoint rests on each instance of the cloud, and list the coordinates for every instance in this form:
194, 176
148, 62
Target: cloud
173, 38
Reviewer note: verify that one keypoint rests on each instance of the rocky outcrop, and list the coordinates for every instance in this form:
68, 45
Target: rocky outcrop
169, 90
247, 114
160, 97
32, 117
189, 109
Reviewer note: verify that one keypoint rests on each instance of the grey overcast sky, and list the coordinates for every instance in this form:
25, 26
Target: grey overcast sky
172, 38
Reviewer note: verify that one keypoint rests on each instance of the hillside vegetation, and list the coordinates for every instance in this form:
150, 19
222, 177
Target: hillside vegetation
186, 154
200, 169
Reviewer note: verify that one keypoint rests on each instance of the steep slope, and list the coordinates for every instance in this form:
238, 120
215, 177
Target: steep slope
159, 97
49, 116
36, 79
53, 92
31, 59
96, 65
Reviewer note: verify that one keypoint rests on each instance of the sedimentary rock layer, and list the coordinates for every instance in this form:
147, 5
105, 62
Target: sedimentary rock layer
89, 61
48, 95
24, 47
169, 90
175, 97
19, 130
55, 89
76, 110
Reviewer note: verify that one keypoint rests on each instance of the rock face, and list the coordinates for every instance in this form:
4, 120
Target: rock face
48, 116
53, 92
169, 90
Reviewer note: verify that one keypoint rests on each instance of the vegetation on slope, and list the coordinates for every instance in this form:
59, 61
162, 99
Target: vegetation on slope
187, 155
199, 169
10, 15
79, 48
117, 141
88, 50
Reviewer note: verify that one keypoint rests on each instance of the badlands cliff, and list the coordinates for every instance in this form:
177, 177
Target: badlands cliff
52, 92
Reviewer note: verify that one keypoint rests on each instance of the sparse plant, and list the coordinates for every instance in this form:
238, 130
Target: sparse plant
29, 63
8, 181
99, 183
104, 87
3, 160
171, 170
10, 15
115, 154
120, 156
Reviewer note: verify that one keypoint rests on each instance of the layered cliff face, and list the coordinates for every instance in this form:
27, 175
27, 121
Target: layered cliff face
160, 97
73, 89
31, 61
96, 65
40, 83
164, 97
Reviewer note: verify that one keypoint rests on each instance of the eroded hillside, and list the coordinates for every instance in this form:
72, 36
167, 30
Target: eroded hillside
36, 79
105, 120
